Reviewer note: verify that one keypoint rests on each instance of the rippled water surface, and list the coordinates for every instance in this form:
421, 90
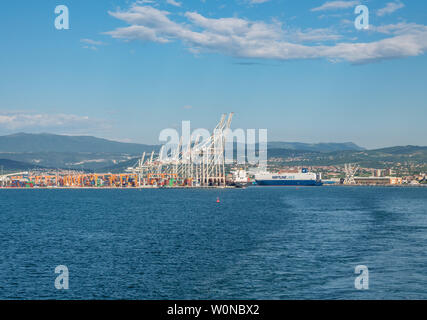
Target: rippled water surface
258, 243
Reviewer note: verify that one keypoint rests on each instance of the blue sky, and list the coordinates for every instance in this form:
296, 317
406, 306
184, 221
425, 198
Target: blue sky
125, 70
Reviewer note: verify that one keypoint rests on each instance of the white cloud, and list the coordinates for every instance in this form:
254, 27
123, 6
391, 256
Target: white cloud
335, 5
43, 121
258, 1
390, 8
147, 23
174, 3
316, 35
257, 39
400, 28
91, 44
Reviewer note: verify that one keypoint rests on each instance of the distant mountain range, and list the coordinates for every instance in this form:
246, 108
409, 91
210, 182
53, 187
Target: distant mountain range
316, 147
68, 152
24, 151
44, 142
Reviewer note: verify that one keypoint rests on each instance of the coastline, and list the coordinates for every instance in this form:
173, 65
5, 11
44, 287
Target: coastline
206, 187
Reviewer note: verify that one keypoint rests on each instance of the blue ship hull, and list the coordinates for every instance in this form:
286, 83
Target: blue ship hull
289, 183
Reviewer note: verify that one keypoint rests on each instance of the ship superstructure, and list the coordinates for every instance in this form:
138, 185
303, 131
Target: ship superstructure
302, 178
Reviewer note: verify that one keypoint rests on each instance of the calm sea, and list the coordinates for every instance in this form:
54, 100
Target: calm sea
258, 243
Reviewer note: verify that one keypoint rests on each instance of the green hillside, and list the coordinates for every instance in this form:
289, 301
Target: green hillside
379, 158
10, 165
44, 142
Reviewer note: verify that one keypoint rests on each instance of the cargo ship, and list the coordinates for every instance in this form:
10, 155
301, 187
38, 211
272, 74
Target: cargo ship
302, 178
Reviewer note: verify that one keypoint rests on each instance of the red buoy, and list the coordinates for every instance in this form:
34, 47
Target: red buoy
217, 200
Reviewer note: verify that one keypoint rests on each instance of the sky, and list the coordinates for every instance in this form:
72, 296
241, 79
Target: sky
125, 70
